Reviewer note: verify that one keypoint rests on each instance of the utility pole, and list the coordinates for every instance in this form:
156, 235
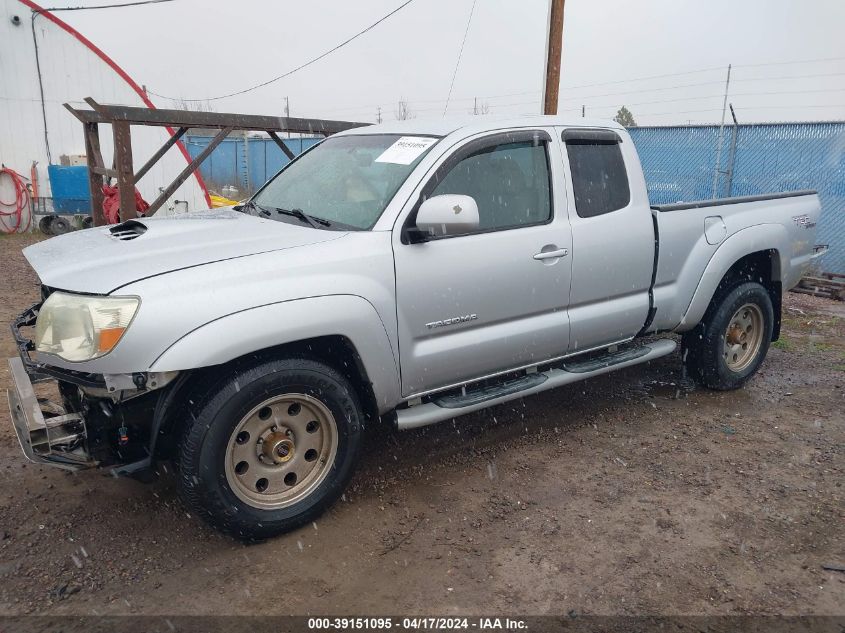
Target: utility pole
721, 136
287, 110
378, 114
475, 106
554, 52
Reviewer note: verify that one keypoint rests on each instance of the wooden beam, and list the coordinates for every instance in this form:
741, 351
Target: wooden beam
215, 120
553, 60
161, 152
78, 114
104, 171
281, 144
95, 180
123, 165
191, 168
121, 118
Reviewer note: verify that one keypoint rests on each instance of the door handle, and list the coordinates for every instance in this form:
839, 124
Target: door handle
561, 252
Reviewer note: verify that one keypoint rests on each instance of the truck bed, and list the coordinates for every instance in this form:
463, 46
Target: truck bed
699, 204
689, 235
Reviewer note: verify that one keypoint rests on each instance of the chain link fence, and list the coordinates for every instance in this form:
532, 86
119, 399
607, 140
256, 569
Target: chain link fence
680, 165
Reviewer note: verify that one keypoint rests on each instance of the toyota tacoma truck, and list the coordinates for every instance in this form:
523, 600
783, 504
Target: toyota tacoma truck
411, 272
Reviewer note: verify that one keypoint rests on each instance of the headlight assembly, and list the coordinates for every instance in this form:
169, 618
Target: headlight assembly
81, 327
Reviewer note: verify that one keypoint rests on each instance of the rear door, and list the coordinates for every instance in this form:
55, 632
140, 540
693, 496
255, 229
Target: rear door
479, 303
613, 238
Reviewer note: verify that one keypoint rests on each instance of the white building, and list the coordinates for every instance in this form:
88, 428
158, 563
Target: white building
45, 63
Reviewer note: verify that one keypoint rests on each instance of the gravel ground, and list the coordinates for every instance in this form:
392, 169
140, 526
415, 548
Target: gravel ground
634, 493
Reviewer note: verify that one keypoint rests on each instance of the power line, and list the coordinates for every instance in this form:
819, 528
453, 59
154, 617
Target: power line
715, 96
702, 70
687, 85
765, 107
801, 61
788, 77
703, 83
639, 90
368, 108
622, 81
102, 6
460, 54
301, 66
785, 92
781, 107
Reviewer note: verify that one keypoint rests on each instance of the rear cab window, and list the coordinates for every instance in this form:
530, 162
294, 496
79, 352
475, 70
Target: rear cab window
597, 168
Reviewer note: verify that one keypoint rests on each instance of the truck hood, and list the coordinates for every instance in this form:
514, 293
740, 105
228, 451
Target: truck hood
102, 259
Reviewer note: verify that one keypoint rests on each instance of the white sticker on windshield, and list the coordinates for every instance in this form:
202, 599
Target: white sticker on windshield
406, 150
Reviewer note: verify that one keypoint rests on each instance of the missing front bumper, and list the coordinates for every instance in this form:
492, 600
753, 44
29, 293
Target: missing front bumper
46, 436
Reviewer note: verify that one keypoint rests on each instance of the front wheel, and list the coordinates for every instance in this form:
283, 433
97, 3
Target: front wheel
271, 448
730, 343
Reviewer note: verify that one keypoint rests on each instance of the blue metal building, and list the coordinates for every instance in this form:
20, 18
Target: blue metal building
244, 162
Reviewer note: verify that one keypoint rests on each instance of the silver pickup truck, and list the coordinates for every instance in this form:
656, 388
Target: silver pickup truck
413, 272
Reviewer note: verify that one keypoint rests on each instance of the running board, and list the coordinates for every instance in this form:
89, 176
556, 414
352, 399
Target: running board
477, 396
449, 407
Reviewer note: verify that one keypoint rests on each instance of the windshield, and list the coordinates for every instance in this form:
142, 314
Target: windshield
345, 181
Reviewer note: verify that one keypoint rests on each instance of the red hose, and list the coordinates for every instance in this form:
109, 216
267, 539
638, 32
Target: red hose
20, 204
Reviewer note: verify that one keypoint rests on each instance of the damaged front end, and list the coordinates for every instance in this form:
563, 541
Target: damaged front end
48, 434
95, 420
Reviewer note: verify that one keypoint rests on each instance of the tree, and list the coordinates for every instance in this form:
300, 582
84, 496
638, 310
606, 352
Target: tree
624, 117
403, 111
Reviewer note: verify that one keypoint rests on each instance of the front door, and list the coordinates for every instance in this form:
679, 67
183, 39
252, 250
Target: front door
493, 299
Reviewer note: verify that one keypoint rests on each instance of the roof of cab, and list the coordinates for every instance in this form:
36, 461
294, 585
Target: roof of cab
469, 125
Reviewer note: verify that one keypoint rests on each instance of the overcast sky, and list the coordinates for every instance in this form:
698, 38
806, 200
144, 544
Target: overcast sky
204, 48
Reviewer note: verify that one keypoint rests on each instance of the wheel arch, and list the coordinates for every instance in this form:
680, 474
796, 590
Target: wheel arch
336, 351
344, 331
733, 263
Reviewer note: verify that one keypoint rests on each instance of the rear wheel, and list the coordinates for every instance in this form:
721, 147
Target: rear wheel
271, 448
730, 343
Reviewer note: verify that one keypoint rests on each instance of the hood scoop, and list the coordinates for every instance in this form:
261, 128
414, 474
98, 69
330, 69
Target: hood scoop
129, 230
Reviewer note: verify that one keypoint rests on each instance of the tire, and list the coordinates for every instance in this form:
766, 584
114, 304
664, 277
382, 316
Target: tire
60, 225
253, 464
44, 224
730, 343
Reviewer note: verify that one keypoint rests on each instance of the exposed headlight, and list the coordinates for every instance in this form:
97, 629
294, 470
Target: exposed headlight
80, 327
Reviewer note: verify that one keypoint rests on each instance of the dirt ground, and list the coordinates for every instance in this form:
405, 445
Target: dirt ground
634, 493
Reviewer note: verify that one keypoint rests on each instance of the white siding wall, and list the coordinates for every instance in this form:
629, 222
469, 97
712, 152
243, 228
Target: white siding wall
70, 72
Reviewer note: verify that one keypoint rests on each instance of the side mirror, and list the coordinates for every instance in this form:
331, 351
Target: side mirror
449, 214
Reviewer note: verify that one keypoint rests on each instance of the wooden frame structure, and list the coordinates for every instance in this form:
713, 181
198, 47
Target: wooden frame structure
122, 118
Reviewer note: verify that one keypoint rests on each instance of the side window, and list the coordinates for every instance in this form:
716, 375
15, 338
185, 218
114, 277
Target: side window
509, 182
599, 178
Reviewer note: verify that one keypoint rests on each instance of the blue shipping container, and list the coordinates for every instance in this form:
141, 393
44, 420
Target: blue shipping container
71, 192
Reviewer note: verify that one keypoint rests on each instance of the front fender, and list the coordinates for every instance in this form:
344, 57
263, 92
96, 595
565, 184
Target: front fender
255, 329
760, 237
